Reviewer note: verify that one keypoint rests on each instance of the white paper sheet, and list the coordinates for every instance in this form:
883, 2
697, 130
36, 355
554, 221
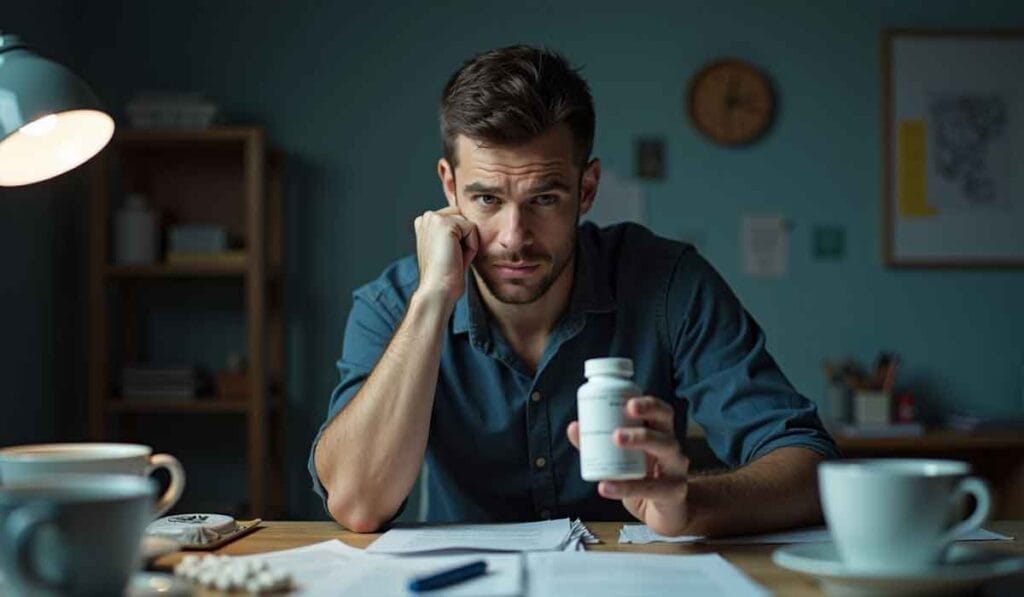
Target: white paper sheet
598, 574
527, 536
765, 242
333, 568
638, 533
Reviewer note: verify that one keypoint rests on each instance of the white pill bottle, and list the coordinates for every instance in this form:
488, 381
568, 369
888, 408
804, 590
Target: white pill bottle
601, 405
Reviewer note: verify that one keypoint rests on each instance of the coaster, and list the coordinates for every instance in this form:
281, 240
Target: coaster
201, 531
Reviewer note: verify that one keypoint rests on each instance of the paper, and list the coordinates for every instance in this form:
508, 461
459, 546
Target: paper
638, 533
333, 568
765, 242
549, 535
597, 574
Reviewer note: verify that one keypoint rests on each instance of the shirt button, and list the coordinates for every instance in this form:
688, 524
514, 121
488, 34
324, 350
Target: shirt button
535, 396
540, 462
545, 514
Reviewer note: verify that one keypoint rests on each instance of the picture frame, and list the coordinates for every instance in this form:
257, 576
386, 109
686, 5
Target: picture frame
953, 148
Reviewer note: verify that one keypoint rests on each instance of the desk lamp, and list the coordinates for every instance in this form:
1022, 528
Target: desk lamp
50, 121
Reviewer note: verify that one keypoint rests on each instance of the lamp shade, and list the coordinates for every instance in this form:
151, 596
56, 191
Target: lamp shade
50, 121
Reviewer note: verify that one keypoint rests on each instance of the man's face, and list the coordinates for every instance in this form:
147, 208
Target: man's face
525, 201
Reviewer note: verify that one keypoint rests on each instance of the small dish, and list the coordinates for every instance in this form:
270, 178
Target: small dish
966, 567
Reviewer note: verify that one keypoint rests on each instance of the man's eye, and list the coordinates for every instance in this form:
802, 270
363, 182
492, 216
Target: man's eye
546, 200
487, 199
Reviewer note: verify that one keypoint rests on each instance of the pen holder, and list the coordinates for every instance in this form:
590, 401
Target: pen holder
871, 407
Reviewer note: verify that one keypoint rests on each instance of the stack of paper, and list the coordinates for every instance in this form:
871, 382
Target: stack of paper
638, 533
548, 535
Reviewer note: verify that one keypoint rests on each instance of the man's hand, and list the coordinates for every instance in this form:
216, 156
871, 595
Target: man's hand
446, 243
659, 500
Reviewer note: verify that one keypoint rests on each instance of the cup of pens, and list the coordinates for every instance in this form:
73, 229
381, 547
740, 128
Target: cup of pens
862, 396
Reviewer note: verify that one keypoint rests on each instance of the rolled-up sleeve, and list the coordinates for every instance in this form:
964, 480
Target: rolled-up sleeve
735, 389
371, 324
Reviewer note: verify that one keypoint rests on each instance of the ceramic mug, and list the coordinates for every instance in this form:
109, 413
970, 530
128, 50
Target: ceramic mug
73, 535
898, 515
26, 463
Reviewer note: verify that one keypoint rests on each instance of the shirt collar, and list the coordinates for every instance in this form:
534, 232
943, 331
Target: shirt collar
591, 291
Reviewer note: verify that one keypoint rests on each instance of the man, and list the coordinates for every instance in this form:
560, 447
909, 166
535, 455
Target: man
468, 355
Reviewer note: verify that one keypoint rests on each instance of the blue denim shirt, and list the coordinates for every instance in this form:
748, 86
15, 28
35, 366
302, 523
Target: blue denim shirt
497, 449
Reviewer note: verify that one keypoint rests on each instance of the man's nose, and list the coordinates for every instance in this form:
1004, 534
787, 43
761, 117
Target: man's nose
514, 234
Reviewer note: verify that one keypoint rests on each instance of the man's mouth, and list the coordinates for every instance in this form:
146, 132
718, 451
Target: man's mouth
514, 271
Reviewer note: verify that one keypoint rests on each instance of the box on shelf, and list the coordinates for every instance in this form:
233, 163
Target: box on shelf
197, 238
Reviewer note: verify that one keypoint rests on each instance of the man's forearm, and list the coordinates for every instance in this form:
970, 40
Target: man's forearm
370, 454
776, 491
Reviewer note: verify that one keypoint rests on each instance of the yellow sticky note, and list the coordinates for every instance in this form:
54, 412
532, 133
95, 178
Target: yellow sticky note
910, 160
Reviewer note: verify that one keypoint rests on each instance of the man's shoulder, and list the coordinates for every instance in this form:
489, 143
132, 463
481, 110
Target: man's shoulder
395, 285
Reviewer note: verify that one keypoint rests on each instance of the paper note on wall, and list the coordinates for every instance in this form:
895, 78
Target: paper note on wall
913, 199
765, 242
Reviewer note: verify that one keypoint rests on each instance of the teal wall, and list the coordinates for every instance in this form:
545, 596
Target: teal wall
349, 91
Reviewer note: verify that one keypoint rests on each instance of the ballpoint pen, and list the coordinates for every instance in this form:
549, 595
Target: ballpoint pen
447, 578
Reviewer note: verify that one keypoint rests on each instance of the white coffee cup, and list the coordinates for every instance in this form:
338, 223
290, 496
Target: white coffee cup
898, 515
32, 462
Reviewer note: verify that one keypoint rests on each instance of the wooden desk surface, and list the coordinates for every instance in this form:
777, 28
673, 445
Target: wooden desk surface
753, 560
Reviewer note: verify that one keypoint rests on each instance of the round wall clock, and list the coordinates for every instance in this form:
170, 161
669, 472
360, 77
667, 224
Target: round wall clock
731, 102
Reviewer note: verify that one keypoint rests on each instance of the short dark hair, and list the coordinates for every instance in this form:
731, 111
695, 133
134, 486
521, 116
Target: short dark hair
511, 95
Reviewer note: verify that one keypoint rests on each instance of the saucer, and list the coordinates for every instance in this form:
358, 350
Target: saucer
966, 567
157, 584
154, 546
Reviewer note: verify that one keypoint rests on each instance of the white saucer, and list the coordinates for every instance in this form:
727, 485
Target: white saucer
965, 567
156, 584
154, 546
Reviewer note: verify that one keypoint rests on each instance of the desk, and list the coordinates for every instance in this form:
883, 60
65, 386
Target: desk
753, 560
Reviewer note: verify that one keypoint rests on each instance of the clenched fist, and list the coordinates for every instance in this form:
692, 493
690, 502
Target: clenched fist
446, 243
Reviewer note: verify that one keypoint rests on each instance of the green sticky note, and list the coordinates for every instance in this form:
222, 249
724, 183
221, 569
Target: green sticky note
829, 242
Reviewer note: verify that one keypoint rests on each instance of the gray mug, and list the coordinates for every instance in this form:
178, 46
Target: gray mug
73, 535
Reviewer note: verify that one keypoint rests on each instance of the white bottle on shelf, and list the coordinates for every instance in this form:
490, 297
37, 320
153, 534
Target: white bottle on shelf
136, 232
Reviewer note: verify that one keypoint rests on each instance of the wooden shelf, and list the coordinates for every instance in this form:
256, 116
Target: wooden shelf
212, 270
196, 405
935, 440
213, 135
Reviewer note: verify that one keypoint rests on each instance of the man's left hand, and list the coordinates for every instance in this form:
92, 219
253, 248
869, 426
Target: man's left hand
659, 499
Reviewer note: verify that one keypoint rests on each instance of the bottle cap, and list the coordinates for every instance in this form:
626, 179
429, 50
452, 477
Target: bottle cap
608, 366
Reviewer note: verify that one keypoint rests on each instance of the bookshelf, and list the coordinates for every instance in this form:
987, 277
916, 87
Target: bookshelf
224, 176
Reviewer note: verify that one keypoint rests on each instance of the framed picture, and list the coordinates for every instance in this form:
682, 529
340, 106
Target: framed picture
953, 146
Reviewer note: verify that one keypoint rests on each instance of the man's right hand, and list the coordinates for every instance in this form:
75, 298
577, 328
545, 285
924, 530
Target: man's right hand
446, 243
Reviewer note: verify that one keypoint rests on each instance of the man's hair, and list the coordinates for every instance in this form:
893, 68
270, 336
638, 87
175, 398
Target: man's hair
511, 95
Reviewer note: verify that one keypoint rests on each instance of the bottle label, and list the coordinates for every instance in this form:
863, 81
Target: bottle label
600, 458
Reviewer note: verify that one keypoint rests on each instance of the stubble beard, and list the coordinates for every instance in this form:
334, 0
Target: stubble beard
542, 287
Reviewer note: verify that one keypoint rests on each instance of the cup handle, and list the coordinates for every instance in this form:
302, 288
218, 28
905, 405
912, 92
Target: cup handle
170, 497
982, 495
19, 534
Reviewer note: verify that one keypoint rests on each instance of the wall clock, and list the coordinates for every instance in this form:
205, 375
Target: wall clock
731, 102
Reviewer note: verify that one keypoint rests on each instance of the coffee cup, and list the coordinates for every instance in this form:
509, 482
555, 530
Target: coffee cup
30, 462
898, 515
74, 535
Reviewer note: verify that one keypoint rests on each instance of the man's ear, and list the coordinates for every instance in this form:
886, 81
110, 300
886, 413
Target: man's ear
447, 175
588, 185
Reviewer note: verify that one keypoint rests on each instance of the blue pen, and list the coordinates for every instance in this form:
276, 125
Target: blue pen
448, 578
